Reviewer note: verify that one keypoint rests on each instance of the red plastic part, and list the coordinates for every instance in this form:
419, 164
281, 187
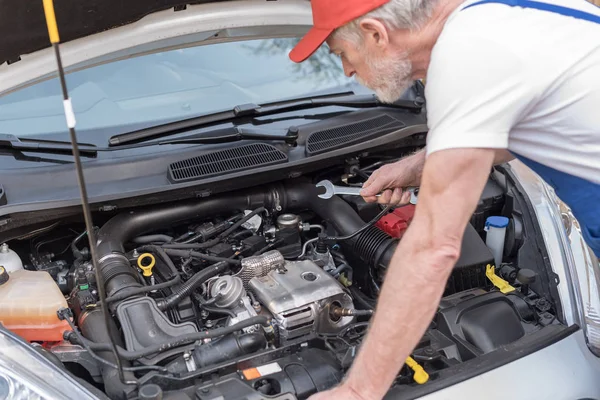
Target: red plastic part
396, 222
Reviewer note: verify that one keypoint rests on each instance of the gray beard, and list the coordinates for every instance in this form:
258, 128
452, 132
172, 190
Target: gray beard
391, 77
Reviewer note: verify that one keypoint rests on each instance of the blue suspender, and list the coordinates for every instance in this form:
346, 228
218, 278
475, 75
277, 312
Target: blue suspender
569, 12
582, 196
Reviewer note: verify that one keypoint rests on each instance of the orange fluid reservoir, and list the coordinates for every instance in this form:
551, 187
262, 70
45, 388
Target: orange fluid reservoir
29, 301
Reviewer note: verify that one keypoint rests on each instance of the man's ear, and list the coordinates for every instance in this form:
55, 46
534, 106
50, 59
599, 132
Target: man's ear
375, 32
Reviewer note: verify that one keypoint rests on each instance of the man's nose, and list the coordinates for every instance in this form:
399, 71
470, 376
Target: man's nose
349, 71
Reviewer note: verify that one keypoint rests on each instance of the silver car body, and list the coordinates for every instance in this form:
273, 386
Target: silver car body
566, 370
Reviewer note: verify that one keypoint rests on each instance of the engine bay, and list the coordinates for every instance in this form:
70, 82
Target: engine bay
262, 293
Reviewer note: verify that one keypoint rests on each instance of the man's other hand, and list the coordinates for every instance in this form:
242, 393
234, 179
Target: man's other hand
391, 178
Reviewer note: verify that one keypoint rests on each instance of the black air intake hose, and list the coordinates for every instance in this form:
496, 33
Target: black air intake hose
93, 327
228, 347
224, 349
198, 279
373, 246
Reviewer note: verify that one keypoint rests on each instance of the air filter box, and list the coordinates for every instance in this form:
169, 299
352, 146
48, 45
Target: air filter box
469, 271
490, 203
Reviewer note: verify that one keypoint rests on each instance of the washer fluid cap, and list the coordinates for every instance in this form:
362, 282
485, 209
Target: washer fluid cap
496, 222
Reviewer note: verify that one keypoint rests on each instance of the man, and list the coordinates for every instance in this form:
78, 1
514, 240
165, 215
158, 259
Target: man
502, 81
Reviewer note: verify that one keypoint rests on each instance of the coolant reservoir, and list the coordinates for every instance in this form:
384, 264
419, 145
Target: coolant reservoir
29, 301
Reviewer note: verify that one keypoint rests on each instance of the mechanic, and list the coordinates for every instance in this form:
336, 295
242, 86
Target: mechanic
504, 79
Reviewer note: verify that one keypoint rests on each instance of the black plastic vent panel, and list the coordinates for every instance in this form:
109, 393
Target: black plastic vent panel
225, 161
334, 138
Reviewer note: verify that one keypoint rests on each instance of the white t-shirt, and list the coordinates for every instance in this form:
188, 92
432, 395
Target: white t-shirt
519, 79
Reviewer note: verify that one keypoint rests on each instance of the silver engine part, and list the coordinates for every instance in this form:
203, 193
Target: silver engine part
257, 266
300, 298
230, 294
228, 290
289, 221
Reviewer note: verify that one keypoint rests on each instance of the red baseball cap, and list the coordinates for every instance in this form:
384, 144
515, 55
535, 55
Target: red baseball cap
328, 15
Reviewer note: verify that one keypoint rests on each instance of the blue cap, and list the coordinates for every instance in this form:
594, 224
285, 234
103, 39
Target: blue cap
496, 222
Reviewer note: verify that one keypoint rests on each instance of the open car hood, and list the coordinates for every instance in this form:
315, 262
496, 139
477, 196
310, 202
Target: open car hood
23, 26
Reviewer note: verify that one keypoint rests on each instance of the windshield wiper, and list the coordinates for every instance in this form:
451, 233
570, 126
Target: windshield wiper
44, 146
19, 156
244, 113
224, 135
13, 145
236, 133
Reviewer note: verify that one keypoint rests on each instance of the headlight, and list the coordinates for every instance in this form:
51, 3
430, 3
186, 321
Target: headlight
26, 374
572, 260
585, 278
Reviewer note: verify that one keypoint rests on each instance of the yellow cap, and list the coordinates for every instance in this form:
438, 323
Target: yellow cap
146, 268
420, 375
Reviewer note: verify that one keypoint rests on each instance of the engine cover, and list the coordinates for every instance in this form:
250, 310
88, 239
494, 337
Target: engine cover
300, 296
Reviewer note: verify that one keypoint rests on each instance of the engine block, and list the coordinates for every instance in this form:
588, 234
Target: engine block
300, 297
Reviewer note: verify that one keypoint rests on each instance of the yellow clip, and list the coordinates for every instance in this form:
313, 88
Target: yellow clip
420, 376
497, 281
146, 268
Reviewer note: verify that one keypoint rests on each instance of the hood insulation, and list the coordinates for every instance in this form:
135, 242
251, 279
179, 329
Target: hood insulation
23, 27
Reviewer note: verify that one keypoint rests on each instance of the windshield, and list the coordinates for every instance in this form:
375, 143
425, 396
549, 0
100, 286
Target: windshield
172, 85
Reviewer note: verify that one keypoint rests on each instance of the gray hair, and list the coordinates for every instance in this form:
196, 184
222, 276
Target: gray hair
396, 14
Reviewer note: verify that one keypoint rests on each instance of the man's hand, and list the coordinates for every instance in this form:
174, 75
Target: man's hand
338, 393
391, 178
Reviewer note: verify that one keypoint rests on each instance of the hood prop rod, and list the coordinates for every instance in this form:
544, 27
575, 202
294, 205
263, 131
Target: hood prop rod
70, 119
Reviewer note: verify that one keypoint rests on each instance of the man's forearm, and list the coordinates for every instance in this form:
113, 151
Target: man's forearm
407, 303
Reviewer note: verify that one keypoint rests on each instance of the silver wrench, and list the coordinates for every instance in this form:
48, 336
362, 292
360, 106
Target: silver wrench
331, 190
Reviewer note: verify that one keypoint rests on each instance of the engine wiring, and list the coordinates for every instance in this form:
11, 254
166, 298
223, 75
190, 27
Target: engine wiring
219, 237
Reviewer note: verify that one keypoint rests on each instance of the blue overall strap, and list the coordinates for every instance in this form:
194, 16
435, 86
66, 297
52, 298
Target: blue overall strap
569, 12
581, 195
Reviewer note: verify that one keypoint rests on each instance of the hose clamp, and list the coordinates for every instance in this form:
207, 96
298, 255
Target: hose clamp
277, 199
113, 255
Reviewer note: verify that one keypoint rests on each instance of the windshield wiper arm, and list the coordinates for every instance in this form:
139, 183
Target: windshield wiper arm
224, 135
44, 146
246, 112
236, 133
19, 156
